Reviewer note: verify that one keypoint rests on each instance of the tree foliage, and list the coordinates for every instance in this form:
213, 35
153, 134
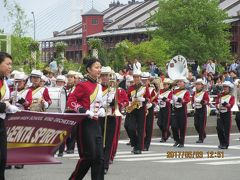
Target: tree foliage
193, 28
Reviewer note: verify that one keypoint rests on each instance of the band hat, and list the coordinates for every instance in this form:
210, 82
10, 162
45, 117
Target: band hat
106, 70
15, 72
199, 81
79, 75
155, 76
228, 83
44, 78
36, 73
61, 78
167, 81
71, 73
20, 76
137, 73
145, 75
184, 79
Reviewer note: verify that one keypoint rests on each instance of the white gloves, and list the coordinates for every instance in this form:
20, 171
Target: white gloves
90, 113
109, 100
175, 98
101, 112
149, 105
141, 99
11, 108
45, 104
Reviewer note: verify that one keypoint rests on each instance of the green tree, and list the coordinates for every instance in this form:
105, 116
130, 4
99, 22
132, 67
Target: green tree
194, 28
96, 43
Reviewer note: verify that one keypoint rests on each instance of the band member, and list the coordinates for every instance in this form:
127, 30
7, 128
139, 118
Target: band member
70, 81
40, 96
181, 97
87, 98
23, 95
224, 103
78, 77
150, 109
138, 96
108, 80
164, 116
200, 100
5, 107
44, 81
122, 103
60, 81
71, 85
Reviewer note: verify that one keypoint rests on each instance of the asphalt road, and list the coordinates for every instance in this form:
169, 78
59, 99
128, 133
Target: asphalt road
153, 164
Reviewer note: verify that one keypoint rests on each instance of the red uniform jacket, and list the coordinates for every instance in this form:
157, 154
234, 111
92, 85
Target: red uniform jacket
28, 98
122, 97
45, 94
169, 98
205, 98
146, 94
229, 104
186, 98
80, 97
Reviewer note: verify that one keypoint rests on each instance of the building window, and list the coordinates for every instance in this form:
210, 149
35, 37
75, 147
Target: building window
234, 47
94, 21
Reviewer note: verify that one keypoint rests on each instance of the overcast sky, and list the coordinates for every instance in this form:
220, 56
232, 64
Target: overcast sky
53, 15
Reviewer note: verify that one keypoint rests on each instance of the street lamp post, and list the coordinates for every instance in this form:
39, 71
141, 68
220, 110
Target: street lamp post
34, 25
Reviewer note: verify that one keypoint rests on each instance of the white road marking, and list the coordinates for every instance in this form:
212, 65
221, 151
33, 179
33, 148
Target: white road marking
222, 163
140, 155
198, 159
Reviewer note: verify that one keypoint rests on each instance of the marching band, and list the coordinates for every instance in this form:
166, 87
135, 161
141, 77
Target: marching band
105, 97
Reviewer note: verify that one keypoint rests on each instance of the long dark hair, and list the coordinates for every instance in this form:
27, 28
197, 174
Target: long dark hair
4, 55
90, 62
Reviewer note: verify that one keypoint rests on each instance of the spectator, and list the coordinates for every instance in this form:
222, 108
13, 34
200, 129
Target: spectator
233, 66
136, 66
53, 66
210, 68
152, 68
227, 77
195, 68
129, 66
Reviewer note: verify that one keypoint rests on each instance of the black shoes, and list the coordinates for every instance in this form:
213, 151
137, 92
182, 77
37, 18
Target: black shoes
60, 155
199, 141
8, 167
145, 149
180, 146
20, 166
222, 146
129, 143
137, 152
176, 144
70, 151
162, 140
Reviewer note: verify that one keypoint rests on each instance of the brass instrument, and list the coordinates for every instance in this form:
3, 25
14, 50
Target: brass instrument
112, 78
14, 98
134, 105
37, 105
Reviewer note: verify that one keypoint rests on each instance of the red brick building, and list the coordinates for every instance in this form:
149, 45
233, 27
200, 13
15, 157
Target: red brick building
120, 22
